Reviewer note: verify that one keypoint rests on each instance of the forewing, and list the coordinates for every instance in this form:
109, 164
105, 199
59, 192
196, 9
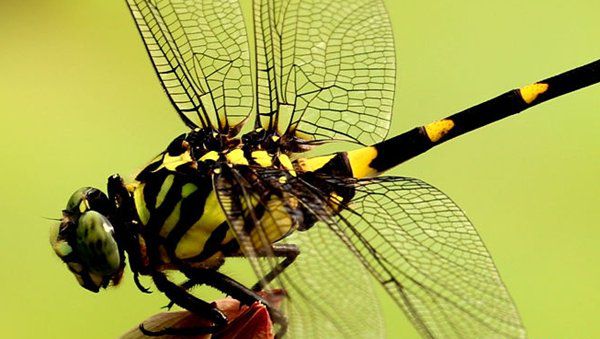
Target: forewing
329, 293
325, 69
200, 52
426, 253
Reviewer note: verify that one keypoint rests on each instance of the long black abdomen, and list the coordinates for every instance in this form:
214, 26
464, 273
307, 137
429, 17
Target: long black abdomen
380, 157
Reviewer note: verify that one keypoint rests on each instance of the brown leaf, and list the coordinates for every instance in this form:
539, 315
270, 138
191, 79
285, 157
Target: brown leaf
245, 322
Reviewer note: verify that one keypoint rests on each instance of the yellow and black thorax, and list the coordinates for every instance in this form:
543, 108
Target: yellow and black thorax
181, 220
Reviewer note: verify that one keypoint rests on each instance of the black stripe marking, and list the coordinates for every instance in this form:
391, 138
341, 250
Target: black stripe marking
400, 148
147, 173
338, 165
176, 148
230, 248
213, 244
192, 209
151, 232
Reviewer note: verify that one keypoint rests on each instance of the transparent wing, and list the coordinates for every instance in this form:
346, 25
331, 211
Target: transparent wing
332, 294
428, 256
329, 293
325, 69
200, 52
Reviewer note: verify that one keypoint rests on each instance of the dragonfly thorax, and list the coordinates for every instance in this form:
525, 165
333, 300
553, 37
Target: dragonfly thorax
206, 151
176, 198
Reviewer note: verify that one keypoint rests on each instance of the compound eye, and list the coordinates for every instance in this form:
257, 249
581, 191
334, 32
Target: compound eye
87, 198
89, 249
96, 246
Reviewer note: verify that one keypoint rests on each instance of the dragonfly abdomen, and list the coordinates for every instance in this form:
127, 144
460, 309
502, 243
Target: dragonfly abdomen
373, 160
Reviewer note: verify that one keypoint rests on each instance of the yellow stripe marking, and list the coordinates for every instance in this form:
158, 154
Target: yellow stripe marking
164, 189
287, 164
131, 187
188, 189
236, 157
359, 162
212, 155
313, 164
171, 220
82, 207
140, 204
336, 198
530, 92
437, 129
172, 162
275, 224
262, 158
193, 241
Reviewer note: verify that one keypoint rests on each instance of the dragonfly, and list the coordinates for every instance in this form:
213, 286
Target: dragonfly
241, 181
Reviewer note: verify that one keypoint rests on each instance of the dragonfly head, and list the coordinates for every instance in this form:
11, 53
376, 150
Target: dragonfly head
85, 240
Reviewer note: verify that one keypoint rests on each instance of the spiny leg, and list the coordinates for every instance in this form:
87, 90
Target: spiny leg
181, 297
186, 285
287, 251
238, 291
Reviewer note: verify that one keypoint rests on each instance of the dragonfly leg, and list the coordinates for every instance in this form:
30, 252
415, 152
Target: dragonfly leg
178, 295
289, 252
236, 290
186, 285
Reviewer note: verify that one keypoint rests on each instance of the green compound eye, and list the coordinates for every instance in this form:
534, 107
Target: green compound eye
85, 240
96, 246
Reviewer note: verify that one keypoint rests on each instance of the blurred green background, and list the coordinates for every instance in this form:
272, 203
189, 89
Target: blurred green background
79, 101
